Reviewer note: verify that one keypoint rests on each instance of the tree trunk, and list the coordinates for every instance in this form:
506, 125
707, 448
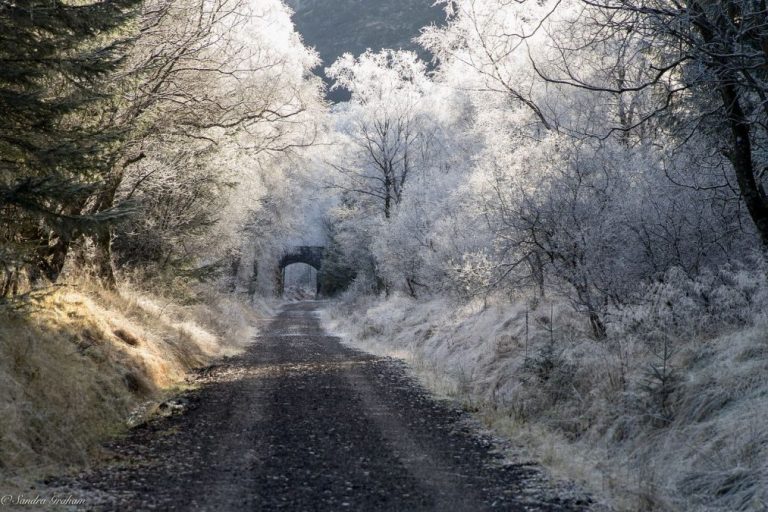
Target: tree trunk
387, 196
537, 272
103, 259
10, 283
52, 257
741, 158
411, 289
598, 327
743, 164
102, 240
106, 200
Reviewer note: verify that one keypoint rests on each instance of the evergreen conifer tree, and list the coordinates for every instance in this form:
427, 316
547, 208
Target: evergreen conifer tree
56, 143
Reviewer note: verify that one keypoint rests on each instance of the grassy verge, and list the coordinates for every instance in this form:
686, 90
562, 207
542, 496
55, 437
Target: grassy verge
670, 423
77, 364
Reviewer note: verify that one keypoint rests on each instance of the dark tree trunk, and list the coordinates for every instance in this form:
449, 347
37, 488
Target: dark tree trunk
387, 197
103, 259
52, 249
751, 190
537, 271
10, 283
51, 258
102, 240
598, 327
411, 289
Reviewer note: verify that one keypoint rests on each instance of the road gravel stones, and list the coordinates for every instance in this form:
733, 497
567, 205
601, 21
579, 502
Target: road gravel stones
300, 422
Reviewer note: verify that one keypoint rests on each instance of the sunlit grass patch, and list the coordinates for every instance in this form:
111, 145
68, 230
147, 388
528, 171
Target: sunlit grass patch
76, 361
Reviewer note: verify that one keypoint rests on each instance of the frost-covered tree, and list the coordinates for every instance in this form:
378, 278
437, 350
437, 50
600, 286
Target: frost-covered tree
662, 64
593, 183
400, 160
385, 128
707, 62
219, 96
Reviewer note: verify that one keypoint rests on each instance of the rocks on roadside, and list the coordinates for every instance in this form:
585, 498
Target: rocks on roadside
172, 407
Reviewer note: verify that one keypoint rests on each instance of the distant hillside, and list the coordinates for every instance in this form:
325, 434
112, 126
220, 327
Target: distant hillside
334, 27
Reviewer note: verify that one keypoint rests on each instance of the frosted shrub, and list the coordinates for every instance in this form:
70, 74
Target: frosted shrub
473, 274
715, 298
362, 285
673, 416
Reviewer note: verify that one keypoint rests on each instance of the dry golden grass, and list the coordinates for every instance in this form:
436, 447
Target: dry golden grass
75, 361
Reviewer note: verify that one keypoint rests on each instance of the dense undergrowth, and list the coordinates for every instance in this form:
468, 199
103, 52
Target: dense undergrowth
667, 413
78, 364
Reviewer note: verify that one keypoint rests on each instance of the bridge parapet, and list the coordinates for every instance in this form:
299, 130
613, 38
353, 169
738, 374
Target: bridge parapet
312, 255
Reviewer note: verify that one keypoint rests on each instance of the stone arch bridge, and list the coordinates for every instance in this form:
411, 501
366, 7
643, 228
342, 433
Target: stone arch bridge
312, 255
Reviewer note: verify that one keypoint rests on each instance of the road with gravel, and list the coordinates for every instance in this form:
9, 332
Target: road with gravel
301, 422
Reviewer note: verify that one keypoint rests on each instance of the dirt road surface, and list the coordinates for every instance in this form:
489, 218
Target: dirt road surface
300, 422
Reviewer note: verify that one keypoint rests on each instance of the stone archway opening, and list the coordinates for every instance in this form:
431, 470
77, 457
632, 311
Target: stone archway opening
300, 281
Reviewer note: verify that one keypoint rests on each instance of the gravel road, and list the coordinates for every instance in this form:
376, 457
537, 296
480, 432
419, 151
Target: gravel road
301, 422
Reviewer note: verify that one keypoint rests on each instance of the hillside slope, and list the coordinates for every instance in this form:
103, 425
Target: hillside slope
79, 364
334, 27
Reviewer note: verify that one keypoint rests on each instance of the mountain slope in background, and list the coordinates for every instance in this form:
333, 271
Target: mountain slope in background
335, 27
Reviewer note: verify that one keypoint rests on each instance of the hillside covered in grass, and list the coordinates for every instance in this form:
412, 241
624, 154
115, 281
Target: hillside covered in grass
79, 365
